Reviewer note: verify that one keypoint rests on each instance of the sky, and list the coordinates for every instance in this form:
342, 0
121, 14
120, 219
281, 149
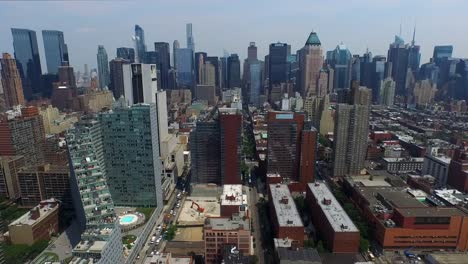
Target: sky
220, 25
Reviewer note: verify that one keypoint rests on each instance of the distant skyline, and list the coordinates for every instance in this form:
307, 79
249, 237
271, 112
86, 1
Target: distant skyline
230, 26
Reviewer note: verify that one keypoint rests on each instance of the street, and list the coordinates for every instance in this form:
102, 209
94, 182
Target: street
258, 250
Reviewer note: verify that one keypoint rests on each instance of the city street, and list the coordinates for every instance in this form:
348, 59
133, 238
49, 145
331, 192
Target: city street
257, 234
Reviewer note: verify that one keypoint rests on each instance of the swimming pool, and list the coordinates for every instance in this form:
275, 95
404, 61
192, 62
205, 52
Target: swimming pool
128, 219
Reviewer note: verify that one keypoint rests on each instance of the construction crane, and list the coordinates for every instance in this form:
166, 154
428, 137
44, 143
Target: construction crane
199, 208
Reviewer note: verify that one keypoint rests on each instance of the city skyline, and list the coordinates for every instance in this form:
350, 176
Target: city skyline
89, 24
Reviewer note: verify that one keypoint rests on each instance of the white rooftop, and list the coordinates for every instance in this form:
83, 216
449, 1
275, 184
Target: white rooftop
335, 214
232, 195
448, 196
43, 210
286, 211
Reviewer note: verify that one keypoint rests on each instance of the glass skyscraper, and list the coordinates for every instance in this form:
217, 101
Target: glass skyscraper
278, 63
441, 52
140, 43
103, 67
184, 59
27, 60
126, 54
190, 40
56, 51
340, 60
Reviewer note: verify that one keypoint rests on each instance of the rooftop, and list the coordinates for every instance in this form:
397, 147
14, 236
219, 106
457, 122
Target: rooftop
233, 195
305, 255
451, 196
332, 209
286, 211
431, 211
38, 213
413, 159
226, 223
313, 39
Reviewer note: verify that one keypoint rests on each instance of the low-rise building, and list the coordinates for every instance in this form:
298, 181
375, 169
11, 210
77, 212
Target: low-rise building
222, 231
39, 223
437, 166
329, 218
167, 258
399, 165
233, 200
284, 216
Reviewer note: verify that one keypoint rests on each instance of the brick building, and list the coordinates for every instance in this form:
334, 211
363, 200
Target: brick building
233, 200
222, 231
330, 220
458, 172
284, 216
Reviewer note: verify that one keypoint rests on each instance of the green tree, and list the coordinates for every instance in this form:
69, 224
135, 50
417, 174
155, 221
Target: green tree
363, 245
320, 247
309, 243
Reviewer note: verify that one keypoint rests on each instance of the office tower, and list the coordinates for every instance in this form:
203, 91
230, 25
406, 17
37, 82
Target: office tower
175, 47
150, 57
184, 58
356, 68
11, 81
365, 69
233, 68
252, 51
441, 52
216, 148
291, 150
131, 151
161, 118
94, 207
66, 76
23, 135
27, 60
277, 64
340, 60
255, 82
429, 71
424, 92
190, 40
414, 56
126, 54
213, 60
350, 139
117, 77
376, 75
387, 92
398, 55
139, 44
199, 60
322, 83
56, 51
140, 83
208, 74
103, 67
164, 62
310, 63
224, 72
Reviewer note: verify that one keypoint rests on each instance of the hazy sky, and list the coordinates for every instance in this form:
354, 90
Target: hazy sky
230, 25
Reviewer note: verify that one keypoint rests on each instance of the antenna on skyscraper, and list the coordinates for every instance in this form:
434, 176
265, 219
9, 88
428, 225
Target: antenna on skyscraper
414, 34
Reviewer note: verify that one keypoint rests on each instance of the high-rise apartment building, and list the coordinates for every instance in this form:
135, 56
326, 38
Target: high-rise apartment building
126, 54
117, 76
94, 207
164, 62
11, 81
208, 74
56, 51
190, 40
140, 83
291, 146
139, 44
23, 135
216, 148
350, 138
103, 67
27, 60
233, 68
131, 151
66, 75
9, 168
310, 63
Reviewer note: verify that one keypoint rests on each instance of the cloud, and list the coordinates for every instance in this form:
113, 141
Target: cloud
85, 29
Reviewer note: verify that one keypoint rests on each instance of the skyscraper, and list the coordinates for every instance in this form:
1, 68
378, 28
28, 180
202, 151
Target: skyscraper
27, 60
252, 51
291, 149
66, 75
117, 77
131, 151
278, 63
94, 206
11, 81
255, 83
140, 83
126, 54
140, 44
184, 58
208, 74
233, 67
310, 63
164, 62
387, 92
175, 47
213, 60
190, 40
56, 51
350, 138
440, 52
398, 55
216, 148
340, 61
103, 67
199, 60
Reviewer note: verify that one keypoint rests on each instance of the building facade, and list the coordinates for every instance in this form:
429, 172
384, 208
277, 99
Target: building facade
56, 51
117, 76
11, 82
103, 67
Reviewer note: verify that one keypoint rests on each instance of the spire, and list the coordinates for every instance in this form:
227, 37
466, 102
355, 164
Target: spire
414, 35
313, 39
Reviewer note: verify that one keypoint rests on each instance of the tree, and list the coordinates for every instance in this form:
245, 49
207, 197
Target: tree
320, 247
309, 243
363, 245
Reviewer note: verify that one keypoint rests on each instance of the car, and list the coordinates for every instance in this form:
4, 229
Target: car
157, 253
159, 227
152, 253
158, 241
172, 212
178, 205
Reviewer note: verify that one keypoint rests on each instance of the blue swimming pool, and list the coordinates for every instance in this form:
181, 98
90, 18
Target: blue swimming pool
127, 219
